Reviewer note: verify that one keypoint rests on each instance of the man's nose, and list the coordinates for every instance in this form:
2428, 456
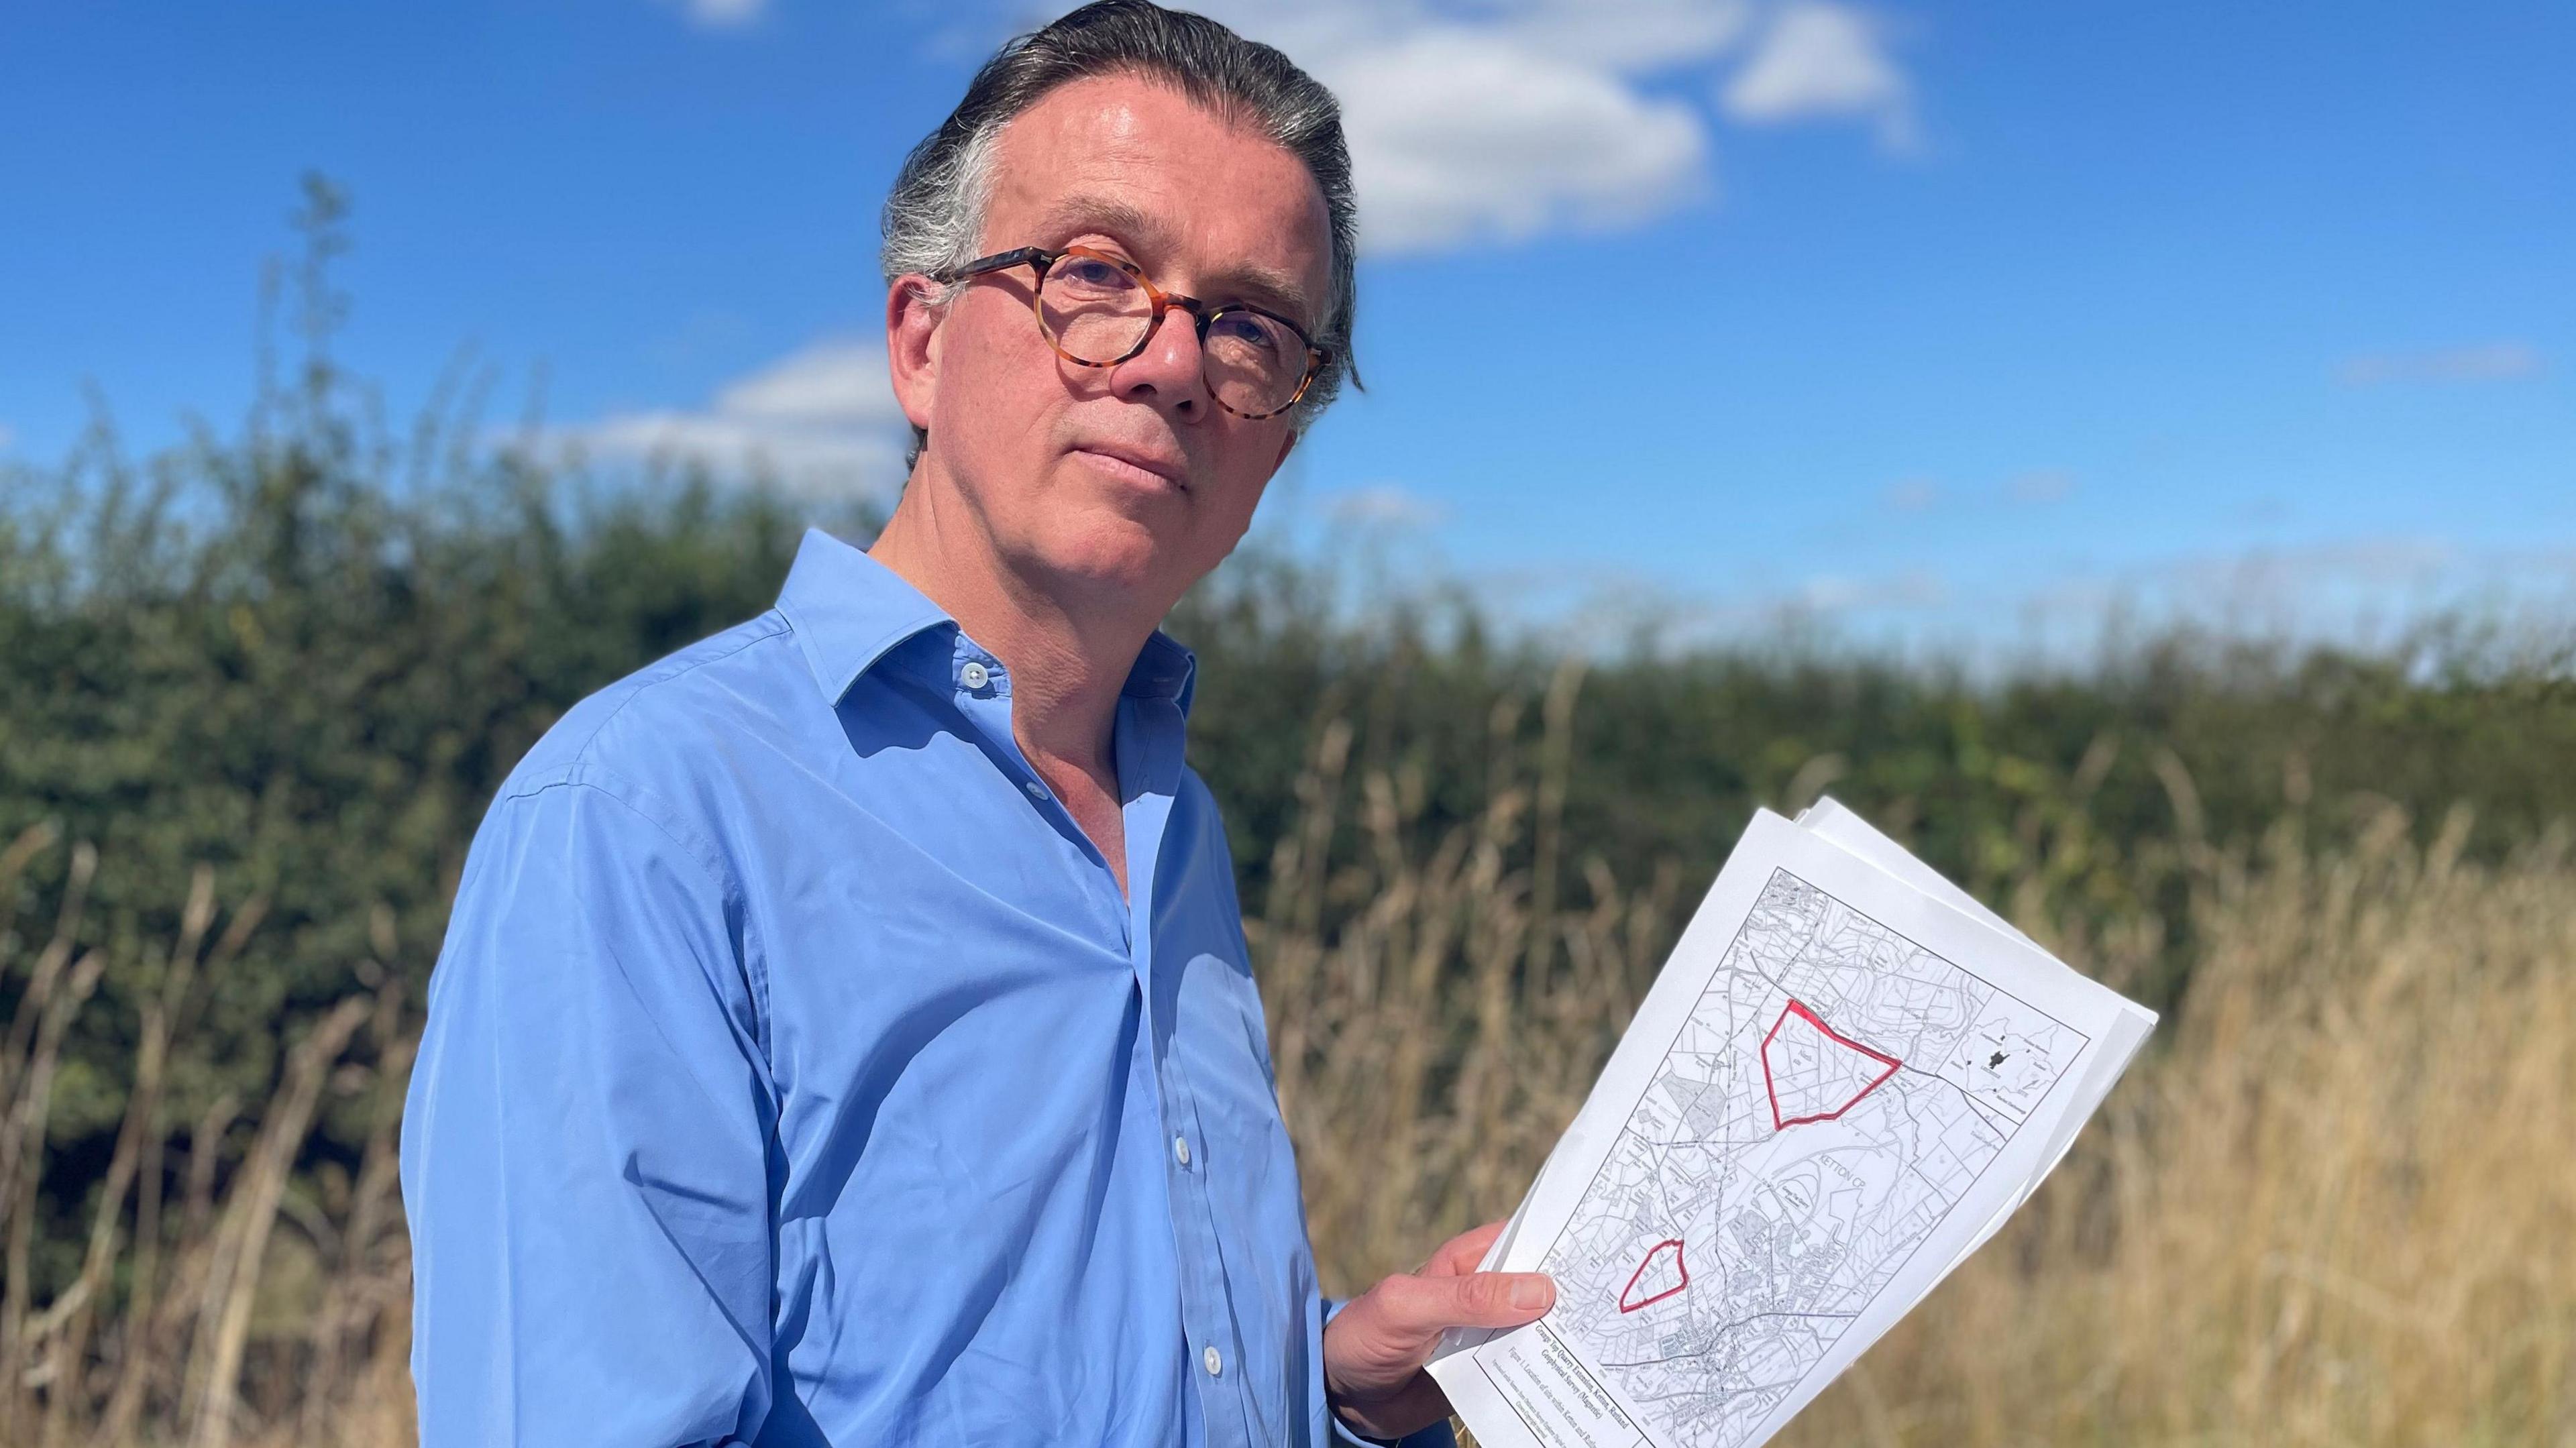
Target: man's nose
1170, 371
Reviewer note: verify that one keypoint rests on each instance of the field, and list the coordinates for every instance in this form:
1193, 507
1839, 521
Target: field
2331, 1205
255, 692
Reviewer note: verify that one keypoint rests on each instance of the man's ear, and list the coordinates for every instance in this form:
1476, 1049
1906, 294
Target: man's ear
913, 314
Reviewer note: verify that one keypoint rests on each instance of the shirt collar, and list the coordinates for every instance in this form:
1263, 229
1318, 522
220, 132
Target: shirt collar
849, 611
1164, 670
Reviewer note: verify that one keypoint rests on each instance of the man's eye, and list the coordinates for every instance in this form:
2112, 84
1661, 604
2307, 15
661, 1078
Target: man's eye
1088, 271
1246, 329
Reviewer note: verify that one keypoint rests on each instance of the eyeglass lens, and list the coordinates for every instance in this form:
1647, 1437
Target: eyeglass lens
1098, 313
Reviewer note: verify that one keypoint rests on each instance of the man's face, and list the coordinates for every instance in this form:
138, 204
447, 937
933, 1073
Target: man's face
1126, 480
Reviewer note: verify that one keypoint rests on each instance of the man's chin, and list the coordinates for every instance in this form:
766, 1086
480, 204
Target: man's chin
1106, 550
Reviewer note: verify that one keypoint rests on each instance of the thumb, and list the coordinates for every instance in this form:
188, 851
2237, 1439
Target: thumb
1472, 1299
1380, 1342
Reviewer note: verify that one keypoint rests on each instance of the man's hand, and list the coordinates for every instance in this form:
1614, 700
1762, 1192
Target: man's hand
1374, 1348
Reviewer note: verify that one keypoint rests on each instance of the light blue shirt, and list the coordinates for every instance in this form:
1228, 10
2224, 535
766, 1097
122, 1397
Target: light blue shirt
796, 1074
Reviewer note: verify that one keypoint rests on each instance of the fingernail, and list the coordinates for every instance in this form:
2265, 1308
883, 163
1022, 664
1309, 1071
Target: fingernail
1533, 1291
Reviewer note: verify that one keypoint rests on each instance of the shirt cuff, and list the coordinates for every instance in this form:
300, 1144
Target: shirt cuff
1437, 1435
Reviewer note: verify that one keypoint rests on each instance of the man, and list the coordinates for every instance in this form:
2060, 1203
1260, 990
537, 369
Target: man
845, 1033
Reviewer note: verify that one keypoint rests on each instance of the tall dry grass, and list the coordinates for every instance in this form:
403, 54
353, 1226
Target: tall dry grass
2338, 1206
2334, 1203
197, 1321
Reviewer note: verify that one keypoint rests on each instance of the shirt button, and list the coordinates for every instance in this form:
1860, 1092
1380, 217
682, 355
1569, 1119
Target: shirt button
975, 674
1181, 1150
1212, 1360
1036, 790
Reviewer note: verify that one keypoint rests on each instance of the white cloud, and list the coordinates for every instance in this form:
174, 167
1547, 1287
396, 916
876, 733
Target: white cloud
1385, 505
724, 14
2041, 485
2035, 487
827, 383
2366, 592
822, 421
1474, 120
2285, 577
1512, 118
2361, 590
1818, 59
2485, 362
1913, 495
1457, 136
1911, 590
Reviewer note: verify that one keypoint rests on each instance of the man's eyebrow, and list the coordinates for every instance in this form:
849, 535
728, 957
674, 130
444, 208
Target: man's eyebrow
1249, 280
1267, 287
1078, 213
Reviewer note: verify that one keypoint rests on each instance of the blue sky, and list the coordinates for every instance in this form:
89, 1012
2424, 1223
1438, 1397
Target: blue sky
1952, 325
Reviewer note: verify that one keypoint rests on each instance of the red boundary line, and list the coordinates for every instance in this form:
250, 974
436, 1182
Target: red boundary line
1799, 1008
1678, 1264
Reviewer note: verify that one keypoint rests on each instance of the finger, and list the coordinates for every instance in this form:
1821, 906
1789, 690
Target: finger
1428, 1305
1461, 1253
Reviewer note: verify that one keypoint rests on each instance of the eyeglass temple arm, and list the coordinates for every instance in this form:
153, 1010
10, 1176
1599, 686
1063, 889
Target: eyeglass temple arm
1035, 255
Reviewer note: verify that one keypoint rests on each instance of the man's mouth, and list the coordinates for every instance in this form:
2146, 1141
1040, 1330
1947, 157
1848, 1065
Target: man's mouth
1138, 464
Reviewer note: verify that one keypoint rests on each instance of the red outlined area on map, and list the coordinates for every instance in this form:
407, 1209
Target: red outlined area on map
1681, 1270
1770, 1087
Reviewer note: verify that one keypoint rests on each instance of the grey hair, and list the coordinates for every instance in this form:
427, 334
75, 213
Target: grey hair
934, 216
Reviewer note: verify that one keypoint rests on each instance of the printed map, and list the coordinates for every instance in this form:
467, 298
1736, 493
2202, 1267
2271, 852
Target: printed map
1830, 1097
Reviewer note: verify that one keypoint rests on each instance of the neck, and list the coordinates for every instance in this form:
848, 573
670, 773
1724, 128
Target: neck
1068, 649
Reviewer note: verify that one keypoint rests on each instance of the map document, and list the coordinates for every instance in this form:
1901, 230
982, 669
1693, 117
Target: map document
1845, 1079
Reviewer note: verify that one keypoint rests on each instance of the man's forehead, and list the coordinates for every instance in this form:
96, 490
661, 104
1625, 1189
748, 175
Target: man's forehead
1135, 159
1083, 212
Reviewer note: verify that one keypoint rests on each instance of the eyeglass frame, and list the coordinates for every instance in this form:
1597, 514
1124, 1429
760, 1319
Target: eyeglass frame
1039, 259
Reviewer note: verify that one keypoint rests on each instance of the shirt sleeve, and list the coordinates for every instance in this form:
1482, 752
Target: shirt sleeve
1438, 1435
585, 1153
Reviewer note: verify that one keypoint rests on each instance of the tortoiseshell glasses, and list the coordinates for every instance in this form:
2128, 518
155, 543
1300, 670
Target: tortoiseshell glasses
1098, 310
